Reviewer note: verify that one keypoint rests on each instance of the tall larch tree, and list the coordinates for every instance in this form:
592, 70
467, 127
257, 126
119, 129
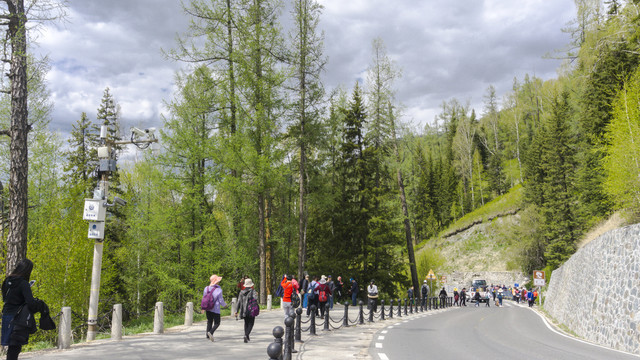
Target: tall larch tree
308, 93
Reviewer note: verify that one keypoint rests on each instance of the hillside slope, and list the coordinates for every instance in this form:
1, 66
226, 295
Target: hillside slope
481, 240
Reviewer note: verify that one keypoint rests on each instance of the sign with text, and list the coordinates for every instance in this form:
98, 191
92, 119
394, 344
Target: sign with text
538, 278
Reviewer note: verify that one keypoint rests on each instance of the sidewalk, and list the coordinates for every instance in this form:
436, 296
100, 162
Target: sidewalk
182, 342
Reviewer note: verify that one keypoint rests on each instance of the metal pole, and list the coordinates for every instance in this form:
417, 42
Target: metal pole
345, 322
361, 315
382, 310
95, 291
391, 309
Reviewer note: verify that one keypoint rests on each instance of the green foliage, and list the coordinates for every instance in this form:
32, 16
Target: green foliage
622, 159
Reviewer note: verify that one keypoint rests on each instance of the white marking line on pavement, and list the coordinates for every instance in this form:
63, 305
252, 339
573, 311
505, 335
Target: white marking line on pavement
396, 324
380, 337
390, 327
576, 339
383, 356
384, 331
378, 345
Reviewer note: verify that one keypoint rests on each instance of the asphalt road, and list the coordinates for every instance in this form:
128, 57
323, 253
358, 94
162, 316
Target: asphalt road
508, 332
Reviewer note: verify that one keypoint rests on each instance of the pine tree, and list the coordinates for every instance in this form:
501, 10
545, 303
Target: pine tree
81, 157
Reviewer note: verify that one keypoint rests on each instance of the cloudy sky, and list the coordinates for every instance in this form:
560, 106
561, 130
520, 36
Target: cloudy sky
446, 49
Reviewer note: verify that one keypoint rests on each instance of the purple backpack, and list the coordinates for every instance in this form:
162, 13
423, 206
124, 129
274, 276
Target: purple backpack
253, 309
207, 301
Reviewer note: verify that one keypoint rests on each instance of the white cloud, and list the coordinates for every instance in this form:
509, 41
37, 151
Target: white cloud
446, 49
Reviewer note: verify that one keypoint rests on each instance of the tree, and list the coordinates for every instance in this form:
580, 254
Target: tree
622, 155
82, 157
308, 63
15, 17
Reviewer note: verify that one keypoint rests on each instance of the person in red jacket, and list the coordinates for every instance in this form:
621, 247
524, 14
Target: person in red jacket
287, 286
324, 292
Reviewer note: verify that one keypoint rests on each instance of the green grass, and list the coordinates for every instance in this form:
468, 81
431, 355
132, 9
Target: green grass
507, 202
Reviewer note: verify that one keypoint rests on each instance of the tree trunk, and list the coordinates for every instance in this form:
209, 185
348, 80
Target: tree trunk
405, 210
262, 249
18, 185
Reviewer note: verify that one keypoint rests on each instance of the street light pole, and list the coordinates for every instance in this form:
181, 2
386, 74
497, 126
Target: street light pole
95, 212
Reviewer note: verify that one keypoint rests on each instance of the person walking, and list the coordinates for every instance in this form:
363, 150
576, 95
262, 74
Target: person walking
476, 298
287, 290
213, 292
530, 297
500, 297
332, 287
243, 300
443, 297
312, 295
339, 289
463, 297
456, 297
410, 295
323, 293
16, 294
354, 291
424, 290
304, 286
372, 295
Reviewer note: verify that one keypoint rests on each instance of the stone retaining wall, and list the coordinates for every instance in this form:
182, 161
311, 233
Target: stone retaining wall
596, 292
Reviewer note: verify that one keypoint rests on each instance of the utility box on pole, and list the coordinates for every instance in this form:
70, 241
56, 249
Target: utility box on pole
94, 210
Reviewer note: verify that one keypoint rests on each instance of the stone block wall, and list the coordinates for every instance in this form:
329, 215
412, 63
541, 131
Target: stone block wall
596, 293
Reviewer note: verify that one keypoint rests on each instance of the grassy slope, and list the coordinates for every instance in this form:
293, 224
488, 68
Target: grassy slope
483, 247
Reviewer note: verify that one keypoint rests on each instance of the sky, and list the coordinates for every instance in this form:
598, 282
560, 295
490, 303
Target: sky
445, 49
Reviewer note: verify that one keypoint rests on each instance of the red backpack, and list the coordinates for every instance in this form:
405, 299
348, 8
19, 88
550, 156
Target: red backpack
322, 294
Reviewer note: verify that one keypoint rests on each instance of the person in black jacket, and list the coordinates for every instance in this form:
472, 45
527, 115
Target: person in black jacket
16, 292
354, 291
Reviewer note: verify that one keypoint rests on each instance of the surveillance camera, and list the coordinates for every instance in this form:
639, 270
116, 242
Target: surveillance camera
121, 202
138, 132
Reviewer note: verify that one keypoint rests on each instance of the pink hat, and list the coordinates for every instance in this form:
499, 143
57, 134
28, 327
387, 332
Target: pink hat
215, 279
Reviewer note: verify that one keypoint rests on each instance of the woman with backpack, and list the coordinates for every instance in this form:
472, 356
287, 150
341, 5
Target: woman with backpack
212, 301
323, 291
247, 294
18, 304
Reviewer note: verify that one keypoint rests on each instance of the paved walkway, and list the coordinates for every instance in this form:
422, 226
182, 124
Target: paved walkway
183, 342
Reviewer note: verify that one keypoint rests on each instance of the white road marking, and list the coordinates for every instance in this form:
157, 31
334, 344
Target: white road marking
383, 356
384, 331
380, 337
378, 345
574, 338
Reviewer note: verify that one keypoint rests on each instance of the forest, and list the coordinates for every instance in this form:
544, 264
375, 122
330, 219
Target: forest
261, 171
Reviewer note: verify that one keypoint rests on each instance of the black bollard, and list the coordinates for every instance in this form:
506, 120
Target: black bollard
361, 315
405, 307
312, 327
326, 317
299, 324
288, 343
399, 307
278, 333
345, 321
391, 309
422, 307
417, 306
410, 307
274, 350
382, 310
